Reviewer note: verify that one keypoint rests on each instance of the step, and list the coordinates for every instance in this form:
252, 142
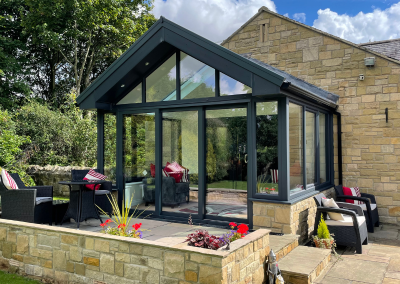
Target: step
282, 245
303, 264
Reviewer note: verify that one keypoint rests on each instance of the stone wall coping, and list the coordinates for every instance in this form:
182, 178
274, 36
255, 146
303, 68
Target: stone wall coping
289, 203
182, 246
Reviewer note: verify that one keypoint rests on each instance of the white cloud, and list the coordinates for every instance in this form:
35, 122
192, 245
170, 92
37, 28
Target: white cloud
300, 17
212, 19
286, 15
363, 27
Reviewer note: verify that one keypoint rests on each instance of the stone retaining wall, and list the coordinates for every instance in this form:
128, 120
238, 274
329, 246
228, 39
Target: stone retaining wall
64, 255
297, 218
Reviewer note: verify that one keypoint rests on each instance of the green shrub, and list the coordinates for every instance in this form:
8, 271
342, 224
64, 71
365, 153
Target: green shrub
63, 137
323, 232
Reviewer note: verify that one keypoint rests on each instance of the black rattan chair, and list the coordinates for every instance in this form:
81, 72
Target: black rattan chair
370, 209
27, 204
105, 190
350, 232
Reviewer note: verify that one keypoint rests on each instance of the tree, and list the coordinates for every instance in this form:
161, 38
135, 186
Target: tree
13, 55
89, 35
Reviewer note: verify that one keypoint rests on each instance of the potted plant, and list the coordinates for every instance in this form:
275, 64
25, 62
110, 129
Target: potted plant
323, 239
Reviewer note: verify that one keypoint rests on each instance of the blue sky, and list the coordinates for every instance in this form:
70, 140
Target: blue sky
310, 7
354, 20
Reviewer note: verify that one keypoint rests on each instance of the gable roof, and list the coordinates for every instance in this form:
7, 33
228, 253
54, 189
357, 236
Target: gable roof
390, 48
163, 39
265, 9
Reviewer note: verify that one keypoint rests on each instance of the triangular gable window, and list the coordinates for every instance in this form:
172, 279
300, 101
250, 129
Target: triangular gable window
229, 86
161, 84
197, 78
133, 97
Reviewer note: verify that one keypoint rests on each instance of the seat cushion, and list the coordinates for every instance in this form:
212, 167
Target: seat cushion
102, 192
364, 206
40, 200
332, 204
348, 221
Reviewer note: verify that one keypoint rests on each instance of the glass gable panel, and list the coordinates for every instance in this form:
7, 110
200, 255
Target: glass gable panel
133, 97
197, 78
161, 84
229, 86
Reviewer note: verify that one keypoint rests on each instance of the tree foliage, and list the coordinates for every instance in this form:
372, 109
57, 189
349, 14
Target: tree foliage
63, 137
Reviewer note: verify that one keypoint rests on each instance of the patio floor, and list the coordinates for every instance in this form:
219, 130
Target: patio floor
379, 263
155, 230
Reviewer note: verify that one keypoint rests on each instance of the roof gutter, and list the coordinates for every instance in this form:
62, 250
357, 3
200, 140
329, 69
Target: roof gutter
289, 86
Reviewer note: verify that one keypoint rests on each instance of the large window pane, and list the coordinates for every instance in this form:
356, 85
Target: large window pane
139, 158
310, 148
226, 162
161, 84
267, 147
229, 86
133, 97
197, 78
296, 147
180, 148
322, 148
110, 142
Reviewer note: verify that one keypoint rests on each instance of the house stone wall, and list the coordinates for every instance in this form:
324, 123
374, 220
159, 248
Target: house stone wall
61, 255
371, 146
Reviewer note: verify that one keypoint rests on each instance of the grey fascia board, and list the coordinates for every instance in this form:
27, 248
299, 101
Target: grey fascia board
311, 95
119, 61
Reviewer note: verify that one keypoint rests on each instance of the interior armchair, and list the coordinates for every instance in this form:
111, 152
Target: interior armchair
369, 207
352, 231
27, 204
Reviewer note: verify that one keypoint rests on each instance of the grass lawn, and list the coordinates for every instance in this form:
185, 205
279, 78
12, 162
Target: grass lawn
15, 279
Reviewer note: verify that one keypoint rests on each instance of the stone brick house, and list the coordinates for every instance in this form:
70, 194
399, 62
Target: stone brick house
370, 142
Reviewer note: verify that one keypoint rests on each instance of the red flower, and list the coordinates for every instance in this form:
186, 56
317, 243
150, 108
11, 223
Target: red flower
121, 226
272, 189
232, 224
137, 226
243, 229
102, 225
108, 221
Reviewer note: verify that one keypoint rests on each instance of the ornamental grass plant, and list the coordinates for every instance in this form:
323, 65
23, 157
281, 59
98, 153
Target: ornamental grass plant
117, 224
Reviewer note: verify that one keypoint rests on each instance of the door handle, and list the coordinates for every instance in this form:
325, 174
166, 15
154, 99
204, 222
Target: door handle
245, 158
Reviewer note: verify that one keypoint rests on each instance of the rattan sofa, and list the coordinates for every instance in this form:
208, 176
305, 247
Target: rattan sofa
27, 204
350, 232
370, 209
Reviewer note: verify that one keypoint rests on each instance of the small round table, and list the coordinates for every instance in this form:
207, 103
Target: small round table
81, 202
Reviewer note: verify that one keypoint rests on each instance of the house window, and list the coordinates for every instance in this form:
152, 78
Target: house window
133, 97
267, 147
229, 86
197, 78
161, 84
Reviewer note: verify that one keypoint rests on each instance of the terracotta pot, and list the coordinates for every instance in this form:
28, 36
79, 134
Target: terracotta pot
324, 243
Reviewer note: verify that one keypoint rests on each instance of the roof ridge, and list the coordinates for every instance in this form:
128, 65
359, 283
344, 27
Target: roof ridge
379, 41
265, 9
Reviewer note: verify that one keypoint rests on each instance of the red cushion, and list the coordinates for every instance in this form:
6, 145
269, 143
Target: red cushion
347, 191
153, 170
93, 175
176, 175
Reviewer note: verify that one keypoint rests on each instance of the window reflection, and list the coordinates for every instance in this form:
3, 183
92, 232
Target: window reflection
310, 149
161, 84
229, 86
296, 147
133, 97
322, 148
267, 147
197, 78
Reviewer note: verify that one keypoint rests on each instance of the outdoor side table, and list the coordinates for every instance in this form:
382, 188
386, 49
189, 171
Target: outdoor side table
82, 204
59, 209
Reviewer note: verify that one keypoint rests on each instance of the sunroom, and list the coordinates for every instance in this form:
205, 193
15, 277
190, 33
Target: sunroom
195, 130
